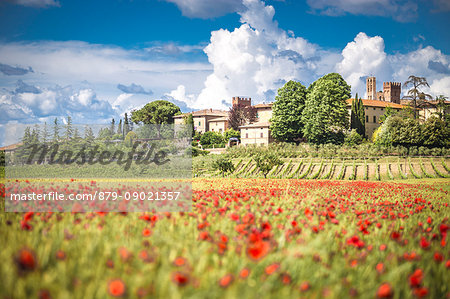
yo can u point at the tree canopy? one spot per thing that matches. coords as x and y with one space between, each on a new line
286 123
325 116
156 112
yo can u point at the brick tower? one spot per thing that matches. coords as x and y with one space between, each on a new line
391 91
241 101
371 88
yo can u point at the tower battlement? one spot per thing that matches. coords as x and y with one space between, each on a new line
391 91
241 101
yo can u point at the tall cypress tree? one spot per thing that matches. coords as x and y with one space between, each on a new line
357 117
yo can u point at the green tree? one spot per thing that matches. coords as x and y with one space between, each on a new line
120 129
325 116
353 138
414 94
436 132
223 164
69 129
266 161
358 117
126 125
89 135
388 112
441 105
188 122
156 112
286 123
112 127
230 133
55 130
211 138
129 139
45 133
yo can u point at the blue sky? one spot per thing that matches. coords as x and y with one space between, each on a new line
95 60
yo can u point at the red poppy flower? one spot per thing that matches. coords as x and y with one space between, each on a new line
109 264
380 268
145 256
244 273
146 232
44 294
226 280
125 255
179 261
286 278
438 257
26 260
272 268
385 291
258 250
420 292
304 286
180 278
60 255
356 242
416 278
424 243
116 288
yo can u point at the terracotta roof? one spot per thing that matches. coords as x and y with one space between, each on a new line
376 103
263 105
11 147
257 125
219 119
205 112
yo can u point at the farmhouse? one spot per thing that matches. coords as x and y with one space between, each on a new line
258 132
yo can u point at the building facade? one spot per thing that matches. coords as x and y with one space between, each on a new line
202 119
374 109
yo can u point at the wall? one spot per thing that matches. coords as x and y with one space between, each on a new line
253 136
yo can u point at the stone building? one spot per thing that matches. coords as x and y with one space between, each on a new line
391 91
203 118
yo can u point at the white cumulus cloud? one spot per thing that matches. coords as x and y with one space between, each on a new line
257 58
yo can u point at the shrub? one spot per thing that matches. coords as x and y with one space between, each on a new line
223 164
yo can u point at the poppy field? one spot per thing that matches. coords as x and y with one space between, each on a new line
244 238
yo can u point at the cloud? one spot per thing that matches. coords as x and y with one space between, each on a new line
22 87
257 57
366 56
399 10
29 103
134 88
439 67
440 86
14 71
179 97
36 3
206 9
362 57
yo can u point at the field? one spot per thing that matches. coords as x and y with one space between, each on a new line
245 238
375 169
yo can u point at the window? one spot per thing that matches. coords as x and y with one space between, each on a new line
262 135
374 119
381 109
374 108
367 118
246 135
199 123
